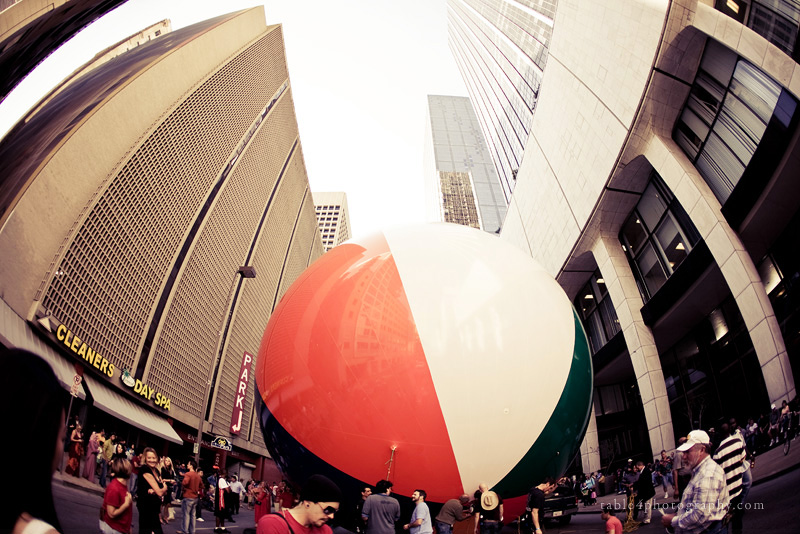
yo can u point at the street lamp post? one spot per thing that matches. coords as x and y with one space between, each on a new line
246 271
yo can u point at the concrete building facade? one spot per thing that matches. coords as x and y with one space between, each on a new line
461 182
153 214
333 218
658 185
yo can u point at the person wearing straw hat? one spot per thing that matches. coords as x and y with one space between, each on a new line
705 501
488 511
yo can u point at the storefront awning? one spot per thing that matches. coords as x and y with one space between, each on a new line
17 333
130 412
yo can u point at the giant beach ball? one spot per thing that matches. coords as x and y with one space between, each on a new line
436 356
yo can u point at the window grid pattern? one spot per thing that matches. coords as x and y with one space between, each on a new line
256 302
201 298
597 312
458 199
119 256
725 117
657 237
332 222
501 47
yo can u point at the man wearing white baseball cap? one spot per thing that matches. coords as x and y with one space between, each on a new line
705 500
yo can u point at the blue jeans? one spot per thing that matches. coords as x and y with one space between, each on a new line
444 528
103 472
491 527
188 507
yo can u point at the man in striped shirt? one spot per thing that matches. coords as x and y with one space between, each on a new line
730 456
705 500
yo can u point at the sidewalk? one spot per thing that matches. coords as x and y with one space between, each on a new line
769 465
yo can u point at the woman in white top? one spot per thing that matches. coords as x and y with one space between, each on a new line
28 382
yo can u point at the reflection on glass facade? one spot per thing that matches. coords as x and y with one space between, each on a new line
597 312
728 111
657 237
713 373
501 48
780 274
467 189
778 21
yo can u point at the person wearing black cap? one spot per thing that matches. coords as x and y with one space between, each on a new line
319 500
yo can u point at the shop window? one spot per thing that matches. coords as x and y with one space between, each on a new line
657 237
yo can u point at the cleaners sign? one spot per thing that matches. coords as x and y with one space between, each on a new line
241 394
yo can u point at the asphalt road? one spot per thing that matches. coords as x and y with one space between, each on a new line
774 509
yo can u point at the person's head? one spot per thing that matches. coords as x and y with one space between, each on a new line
639 465
223 473
366 491
607 511
28 380
483 488
663 454
464 499
167 461
191 465
696 447
548 484
418 496
121 467
319 500
383 486
120 449
150 457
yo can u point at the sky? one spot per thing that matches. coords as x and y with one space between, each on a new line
360 72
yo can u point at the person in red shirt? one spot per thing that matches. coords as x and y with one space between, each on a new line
117 501
319 500
613 525
191 492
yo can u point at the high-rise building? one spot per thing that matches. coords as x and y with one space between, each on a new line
152 215
501 48
333 218
659 186
462 186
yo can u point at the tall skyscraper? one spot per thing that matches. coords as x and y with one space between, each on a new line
462 186
501 48
659 187
152 214
333 218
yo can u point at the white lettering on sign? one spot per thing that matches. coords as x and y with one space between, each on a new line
241 394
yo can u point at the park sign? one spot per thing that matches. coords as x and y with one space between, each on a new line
241 394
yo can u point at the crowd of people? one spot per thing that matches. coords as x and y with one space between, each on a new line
709 474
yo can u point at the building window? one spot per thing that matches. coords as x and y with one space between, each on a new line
778 21
597 312
657 237
713 372
729 108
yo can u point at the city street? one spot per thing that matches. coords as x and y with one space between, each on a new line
775 500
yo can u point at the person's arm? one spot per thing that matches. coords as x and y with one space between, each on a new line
417 522
157 489
114 512
501 512
535 519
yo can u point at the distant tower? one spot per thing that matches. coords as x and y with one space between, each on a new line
333 218
461 181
